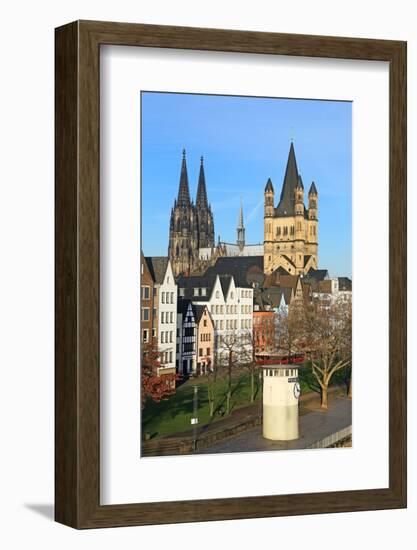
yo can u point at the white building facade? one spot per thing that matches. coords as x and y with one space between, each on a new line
231 310
167 319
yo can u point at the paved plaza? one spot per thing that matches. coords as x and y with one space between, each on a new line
314 427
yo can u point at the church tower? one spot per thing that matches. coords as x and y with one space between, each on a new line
290 229
204 213
183 228
240 230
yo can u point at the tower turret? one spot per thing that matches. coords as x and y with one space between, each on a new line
299 233
299 198
269 212
313 222
269 199
312 202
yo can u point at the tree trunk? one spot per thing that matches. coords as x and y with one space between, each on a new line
252 386
350 387
324 396
211 407
229 388
228 398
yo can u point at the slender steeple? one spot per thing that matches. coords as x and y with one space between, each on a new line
286 202
201 201
269 188
313 189
241 228
183 191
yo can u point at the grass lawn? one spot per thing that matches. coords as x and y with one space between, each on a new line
174 414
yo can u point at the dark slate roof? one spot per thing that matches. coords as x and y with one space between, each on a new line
269 186
189 283
225 281
345 283
317 274
182 305
157 266
286 202
306 259
255 276
199 310
300 182
272 296
313 189
201 200
238 266
183 191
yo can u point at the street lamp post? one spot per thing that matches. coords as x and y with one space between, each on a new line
260 390
194 420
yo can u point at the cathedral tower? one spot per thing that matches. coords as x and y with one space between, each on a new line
183 228
191 226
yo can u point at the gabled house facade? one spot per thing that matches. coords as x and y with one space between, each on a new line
165 312
186 335
205 340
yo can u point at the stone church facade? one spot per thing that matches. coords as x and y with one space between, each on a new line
291 228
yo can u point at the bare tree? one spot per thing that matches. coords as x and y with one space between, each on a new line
234 349
328 332
290 331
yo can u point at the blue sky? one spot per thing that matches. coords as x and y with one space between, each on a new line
245 140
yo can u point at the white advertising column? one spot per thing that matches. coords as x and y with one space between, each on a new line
281 391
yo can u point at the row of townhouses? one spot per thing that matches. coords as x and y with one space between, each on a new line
228 313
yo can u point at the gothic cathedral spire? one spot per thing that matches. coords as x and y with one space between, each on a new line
204 214
201 201
183 191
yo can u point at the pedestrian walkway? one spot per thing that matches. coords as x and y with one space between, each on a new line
314 426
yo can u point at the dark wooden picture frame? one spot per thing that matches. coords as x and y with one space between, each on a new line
77 359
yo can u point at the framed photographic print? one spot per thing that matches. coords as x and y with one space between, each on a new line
230 274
